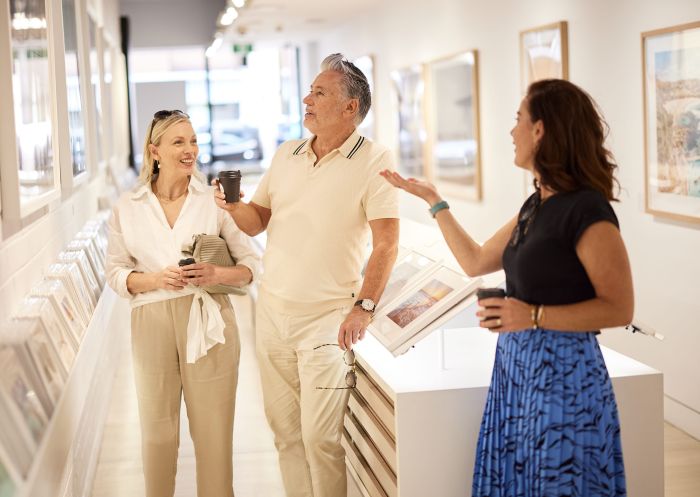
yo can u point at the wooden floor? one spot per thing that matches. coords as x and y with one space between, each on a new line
256 473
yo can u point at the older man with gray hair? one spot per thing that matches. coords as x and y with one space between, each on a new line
319 200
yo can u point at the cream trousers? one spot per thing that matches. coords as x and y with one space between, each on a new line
159 344
307 422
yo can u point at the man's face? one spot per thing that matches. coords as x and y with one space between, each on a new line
326 105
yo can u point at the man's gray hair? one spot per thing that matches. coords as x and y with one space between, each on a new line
353 80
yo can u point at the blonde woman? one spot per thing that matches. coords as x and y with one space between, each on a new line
183 339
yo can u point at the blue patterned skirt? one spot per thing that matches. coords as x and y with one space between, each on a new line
550 425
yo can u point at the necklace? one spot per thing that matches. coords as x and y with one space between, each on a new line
165 198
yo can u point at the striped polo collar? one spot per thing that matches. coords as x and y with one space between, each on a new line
349 148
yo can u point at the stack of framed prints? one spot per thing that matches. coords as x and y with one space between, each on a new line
38 350
57 293
422 292
63 341
93 255
69 274
81 259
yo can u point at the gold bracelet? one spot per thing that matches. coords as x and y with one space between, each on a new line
533 316
539 316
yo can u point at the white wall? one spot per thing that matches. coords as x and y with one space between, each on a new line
605 59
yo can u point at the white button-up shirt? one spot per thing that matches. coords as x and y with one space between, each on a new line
140 239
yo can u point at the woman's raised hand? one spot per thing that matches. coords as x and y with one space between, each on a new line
419 188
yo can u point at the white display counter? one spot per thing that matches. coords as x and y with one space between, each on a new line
413 421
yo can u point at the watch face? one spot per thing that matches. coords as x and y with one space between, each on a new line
368 305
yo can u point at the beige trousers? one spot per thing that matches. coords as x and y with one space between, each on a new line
307 422
158 339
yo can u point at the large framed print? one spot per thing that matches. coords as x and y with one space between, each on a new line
454 124
409 90
671 77
415 309
409 270
544 54
95 54
367 127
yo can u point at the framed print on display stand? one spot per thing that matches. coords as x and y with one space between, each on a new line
368 127
81 260
453 129
544 54
409 269
671 82
418 307
409 90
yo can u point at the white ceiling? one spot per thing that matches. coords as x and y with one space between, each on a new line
286 19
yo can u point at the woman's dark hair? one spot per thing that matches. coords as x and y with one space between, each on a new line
571 154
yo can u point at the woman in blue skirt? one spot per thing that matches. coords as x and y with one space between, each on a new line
550 425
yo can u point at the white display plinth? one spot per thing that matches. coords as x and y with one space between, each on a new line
434 396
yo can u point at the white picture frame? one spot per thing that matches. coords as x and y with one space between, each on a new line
69 274
409 270
56 291
58 332
420 305
45 358
9 476
21 395
15 438
80 258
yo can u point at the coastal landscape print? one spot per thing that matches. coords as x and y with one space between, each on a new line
420 302
672 98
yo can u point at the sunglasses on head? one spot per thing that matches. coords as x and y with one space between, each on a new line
162 114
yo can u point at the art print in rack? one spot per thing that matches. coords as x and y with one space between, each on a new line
671 65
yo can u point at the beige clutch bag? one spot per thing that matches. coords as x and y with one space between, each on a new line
212 249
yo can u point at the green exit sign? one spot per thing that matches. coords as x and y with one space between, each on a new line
242 49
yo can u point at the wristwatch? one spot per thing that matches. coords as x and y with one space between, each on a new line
366 305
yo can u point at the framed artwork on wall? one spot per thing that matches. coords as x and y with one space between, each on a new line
544 53
409 90
671 82
454 124
368 127
75 90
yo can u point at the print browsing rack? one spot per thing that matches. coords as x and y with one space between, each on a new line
426 290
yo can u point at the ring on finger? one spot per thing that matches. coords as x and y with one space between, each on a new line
498 323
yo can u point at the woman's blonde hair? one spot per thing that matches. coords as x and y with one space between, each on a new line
162 120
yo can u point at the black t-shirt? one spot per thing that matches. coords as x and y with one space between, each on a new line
543 268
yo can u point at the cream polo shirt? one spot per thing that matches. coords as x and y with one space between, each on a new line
140 238
319 229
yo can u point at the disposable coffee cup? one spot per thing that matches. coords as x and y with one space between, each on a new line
231 183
